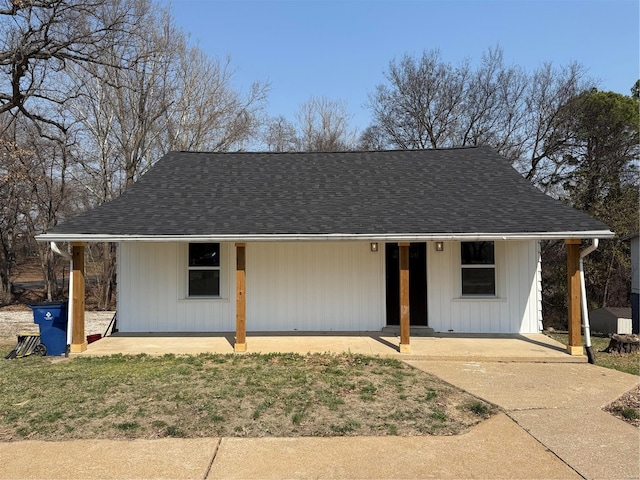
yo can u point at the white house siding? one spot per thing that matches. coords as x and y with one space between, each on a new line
152 291
324 286
330 286
635 265
516 308
635 284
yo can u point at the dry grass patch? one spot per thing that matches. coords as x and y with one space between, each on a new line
227 395
628 363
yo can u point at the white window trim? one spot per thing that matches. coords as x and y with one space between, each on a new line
493 265
186 268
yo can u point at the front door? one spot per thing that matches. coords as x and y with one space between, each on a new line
417 283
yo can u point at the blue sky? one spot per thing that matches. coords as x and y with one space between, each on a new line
340 49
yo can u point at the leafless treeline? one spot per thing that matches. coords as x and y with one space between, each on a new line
92 92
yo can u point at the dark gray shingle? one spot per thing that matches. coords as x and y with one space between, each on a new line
451 191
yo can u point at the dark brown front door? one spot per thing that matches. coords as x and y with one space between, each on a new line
417 283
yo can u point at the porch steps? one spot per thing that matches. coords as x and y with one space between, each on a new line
417 331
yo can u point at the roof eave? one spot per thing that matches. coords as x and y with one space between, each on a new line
294 237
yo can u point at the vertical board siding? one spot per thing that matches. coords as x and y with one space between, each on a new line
635 265
152 290
331 286
516 308
538 262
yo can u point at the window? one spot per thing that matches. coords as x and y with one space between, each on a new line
477 260
204 270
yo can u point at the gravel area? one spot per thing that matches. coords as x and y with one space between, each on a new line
13 323
627 407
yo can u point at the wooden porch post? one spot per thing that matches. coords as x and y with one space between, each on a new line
78 340
574 343
241 307
405 346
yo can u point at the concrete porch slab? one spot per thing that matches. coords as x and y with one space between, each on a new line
523 348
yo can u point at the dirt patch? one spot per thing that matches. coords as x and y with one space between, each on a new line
31 271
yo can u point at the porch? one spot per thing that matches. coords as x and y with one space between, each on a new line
455 346
458 347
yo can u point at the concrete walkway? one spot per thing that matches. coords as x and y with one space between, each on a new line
495 449
552 427
560 405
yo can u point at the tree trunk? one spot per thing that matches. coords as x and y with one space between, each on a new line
6 294
605 295
6 285
48 264
623 344
108 280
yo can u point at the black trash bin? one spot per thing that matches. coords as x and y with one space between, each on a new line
52 321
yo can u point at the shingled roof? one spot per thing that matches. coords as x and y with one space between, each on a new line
450 193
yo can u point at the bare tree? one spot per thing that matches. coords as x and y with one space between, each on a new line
373 138
170 97
12 191
541 157
492 112
47 164
320 125
33 198
40 38
422 103
323 126
281 135
207 112
429 103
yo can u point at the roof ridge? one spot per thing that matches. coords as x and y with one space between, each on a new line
254 152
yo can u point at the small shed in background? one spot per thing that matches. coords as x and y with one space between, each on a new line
611 320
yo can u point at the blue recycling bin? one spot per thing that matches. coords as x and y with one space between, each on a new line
52 321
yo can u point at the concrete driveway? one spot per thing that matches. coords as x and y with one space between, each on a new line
560 405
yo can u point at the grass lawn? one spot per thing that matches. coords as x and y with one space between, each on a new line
629 363
254 395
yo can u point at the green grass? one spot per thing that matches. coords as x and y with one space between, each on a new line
224 395
478 408
627 412
628 363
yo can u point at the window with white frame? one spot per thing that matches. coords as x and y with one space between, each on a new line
478 264
204 270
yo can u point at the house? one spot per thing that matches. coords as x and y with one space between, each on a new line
349 241
611 320
634 239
